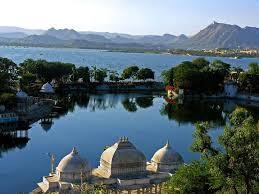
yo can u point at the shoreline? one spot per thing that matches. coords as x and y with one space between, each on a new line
144 51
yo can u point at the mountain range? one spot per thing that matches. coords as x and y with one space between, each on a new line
216 35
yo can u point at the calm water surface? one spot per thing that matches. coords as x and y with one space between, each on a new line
111 60
94 121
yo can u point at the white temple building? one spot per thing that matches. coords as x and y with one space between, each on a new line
230 89
47 89
166 160
122 168
122 159
71 166
21 95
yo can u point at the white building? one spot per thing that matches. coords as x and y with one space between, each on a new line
122 168
230 89
47 89
166 160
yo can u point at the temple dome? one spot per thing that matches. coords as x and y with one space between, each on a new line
166 159
73 163
21 94
166 155
122 159
71 167
46 126
47 88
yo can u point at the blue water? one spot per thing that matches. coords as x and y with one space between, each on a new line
111 60
90 126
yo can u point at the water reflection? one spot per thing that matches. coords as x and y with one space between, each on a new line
13 136
100 101
192 111
187 112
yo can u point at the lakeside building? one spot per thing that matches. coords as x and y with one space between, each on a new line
122 168
47 89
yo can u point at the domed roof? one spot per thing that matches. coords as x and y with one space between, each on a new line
47 88
21 94
166 155
73 163
46 126
123 152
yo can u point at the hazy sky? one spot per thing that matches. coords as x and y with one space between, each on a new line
128 16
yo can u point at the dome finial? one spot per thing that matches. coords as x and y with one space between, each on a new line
74 151
167 145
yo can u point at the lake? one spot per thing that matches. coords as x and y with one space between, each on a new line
111 60
91 122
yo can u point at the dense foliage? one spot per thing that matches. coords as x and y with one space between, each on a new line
8 74
145 73
232 168
130 72
46 71
199 76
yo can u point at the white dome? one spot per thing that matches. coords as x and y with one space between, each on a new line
124 152
166 155
47 88
21 94
122 159
73 163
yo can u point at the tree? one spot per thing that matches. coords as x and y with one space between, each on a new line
145 73
253 68
82 72
129 105
8 66
187 76
8 73
7 99
236 166
192 178
93 71
130 72
144 102
198 76
168 76
46 71
100 75
200 62
26 80
220 67
114 76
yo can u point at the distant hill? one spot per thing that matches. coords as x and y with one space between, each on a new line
42 40
216 35
9 29
220 35
13 35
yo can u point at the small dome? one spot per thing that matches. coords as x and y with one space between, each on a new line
73 163
122 159
21 94
166 155
47 88
46 126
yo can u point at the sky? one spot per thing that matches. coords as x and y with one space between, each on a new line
128 16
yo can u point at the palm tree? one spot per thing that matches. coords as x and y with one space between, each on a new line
93 72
